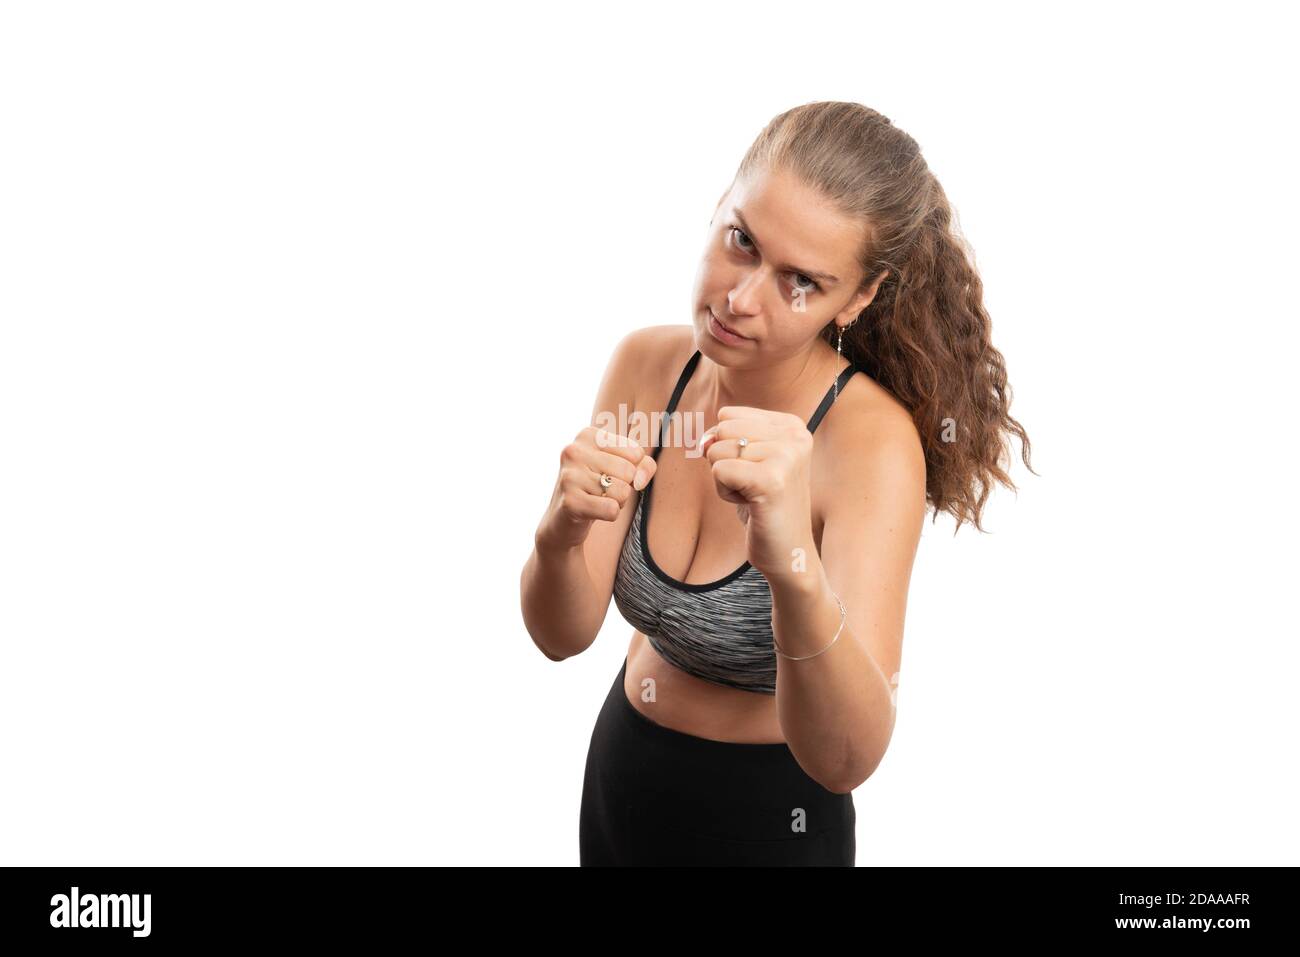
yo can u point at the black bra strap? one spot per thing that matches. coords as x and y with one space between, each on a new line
830 396
687 372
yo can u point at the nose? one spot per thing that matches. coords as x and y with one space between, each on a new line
743 300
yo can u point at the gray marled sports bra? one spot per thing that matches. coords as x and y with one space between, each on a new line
720 631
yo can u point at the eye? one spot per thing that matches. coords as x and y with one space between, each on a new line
737 231
812 286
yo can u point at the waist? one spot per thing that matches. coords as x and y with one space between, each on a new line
730 789
687 704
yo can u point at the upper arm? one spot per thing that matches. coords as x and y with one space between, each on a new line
871 531
618 388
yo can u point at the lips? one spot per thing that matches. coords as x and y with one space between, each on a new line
727 327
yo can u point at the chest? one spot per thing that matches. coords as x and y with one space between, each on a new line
693 535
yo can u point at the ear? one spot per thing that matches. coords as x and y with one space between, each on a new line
863 299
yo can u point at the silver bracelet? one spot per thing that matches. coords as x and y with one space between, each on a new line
843 615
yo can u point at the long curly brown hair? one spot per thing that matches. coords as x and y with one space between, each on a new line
925 336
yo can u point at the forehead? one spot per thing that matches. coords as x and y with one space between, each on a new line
794 222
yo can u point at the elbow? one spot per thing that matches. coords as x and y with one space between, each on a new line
847 784
842 785
551 655
853 777
529 623
856 769
537 643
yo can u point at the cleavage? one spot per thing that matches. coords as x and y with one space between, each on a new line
692 535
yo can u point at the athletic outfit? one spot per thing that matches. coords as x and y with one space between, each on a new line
654 795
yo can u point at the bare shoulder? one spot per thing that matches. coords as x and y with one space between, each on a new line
650 356
872 444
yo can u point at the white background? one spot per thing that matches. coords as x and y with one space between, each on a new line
300 303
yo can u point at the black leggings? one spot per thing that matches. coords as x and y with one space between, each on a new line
655 796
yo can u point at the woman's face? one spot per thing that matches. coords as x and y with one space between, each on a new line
778 265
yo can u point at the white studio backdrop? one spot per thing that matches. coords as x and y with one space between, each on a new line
300 302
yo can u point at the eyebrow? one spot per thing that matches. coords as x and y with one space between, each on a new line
813 273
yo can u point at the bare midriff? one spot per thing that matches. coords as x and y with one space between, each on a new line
692 705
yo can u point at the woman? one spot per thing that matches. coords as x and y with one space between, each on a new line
757 691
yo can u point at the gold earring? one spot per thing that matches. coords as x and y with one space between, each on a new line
839 354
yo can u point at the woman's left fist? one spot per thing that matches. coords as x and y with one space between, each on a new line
768 479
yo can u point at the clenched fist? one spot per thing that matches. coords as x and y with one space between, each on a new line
580 498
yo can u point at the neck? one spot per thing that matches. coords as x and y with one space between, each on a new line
794 384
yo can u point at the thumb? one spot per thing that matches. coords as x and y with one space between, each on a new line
645 471
733 478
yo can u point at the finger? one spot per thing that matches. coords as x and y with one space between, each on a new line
614 465
643 462
727 495
737 479
584 505
730 449
751 429
645 471
619 489
616 444
708 439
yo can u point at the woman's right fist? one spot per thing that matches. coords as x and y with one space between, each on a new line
579 497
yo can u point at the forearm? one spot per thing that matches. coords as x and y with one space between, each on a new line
835 709
560 606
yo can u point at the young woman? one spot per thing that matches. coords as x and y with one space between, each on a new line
766 573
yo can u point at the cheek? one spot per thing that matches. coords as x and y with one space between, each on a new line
793 329
716 277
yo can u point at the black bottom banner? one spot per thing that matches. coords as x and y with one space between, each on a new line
374 906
